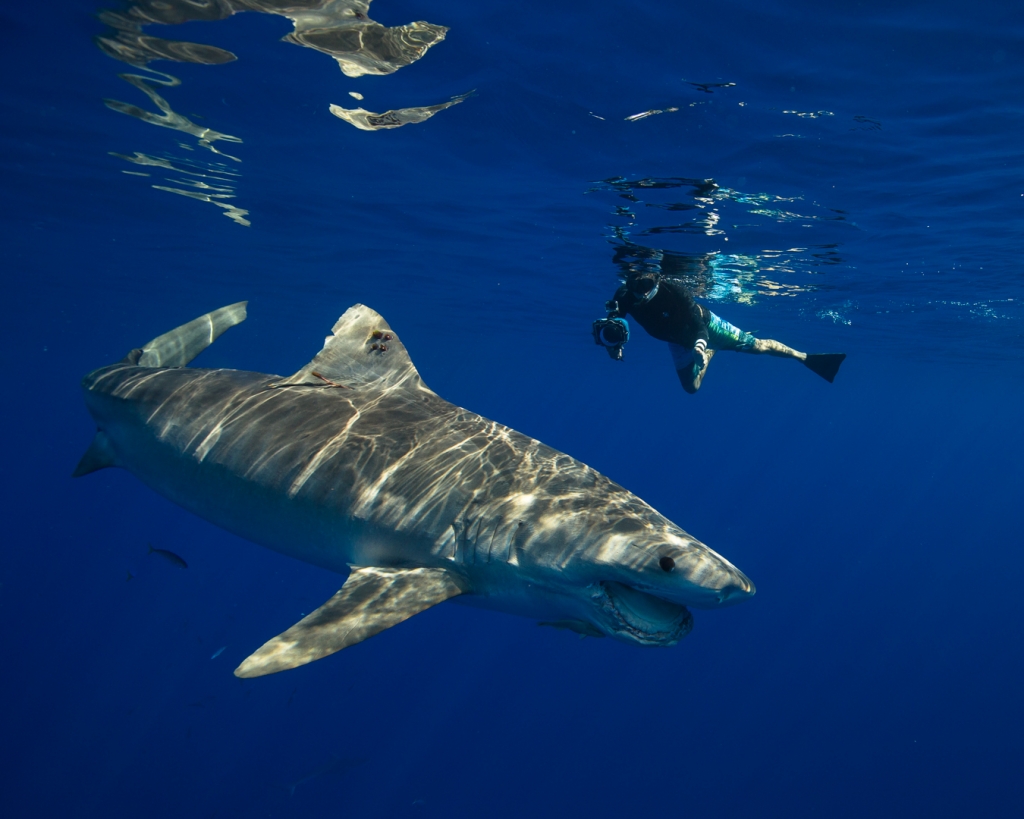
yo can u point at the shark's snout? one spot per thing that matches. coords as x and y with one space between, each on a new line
736 592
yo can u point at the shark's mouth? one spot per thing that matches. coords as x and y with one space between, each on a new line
643 618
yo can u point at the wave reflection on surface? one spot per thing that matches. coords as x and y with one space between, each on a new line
216 191
341 29
701 216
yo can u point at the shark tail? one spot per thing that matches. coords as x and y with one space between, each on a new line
174 349
178 347
825 364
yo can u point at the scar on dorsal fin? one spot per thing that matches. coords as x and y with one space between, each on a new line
372 600
361 350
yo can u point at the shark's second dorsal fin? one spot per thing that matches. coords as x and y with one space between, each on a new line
178 347
362 350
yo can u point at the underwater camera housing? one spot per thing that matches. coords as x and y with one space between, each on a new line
612 334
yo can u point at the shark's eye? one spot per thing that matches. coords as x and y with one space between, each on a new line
667 564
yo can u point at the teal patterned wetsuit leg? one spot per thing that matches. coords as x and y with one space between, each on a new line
725 336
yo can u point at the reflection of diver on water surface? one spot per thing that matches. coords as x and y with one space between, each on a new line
664 306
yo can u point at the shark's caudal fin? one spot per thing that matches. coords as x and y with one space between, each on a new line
371 601
178 347
362 349
174 349
825 364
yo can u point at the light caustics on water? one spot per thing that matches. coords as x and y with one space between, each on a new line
341 29
714 211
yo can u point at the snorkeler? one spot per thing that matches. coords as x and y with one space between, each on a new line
665 309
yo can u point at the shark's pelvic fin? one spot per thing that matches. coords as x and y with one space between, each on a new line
178 347
371 601
98 456
362 350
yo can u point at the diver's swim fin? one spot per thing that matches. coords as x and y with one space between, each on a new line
825 364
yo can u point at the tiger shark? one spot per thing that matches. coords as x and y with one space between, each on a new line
353 464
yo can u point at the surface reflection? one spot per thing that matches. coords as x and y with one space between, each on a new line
203 181
702 209
369 121
342 29
168 118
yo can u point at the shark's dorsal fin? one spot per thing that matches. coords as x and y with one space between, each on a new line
362 350
371 601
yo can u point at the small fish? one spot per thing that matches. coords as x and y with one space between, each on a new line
218 652
170 557
707 86
130 576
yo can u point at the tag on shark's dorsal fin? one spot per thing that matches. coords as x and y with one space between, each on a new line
371 601
362 350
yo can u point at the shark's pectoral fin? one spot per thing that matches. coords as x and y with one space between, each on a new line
371 600
99 455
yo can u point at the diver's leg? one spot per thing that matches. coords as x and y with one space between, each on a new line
772 347
726 336
690 367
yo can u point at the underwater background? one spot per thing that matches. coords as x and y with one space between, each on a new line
844 177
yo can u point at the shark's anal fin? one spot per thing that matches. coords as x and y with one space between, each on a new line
99 455
371 601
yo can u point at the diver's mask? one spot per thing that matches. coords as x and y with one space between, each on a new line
612 334
644 288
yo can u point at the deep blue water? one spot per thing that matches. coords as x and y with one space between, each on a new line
868 198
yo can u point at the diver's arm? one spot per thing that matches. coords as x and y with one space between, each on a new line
618 305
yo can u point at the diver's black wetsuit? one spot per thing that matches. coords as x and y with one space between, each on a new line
692 331
672 315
